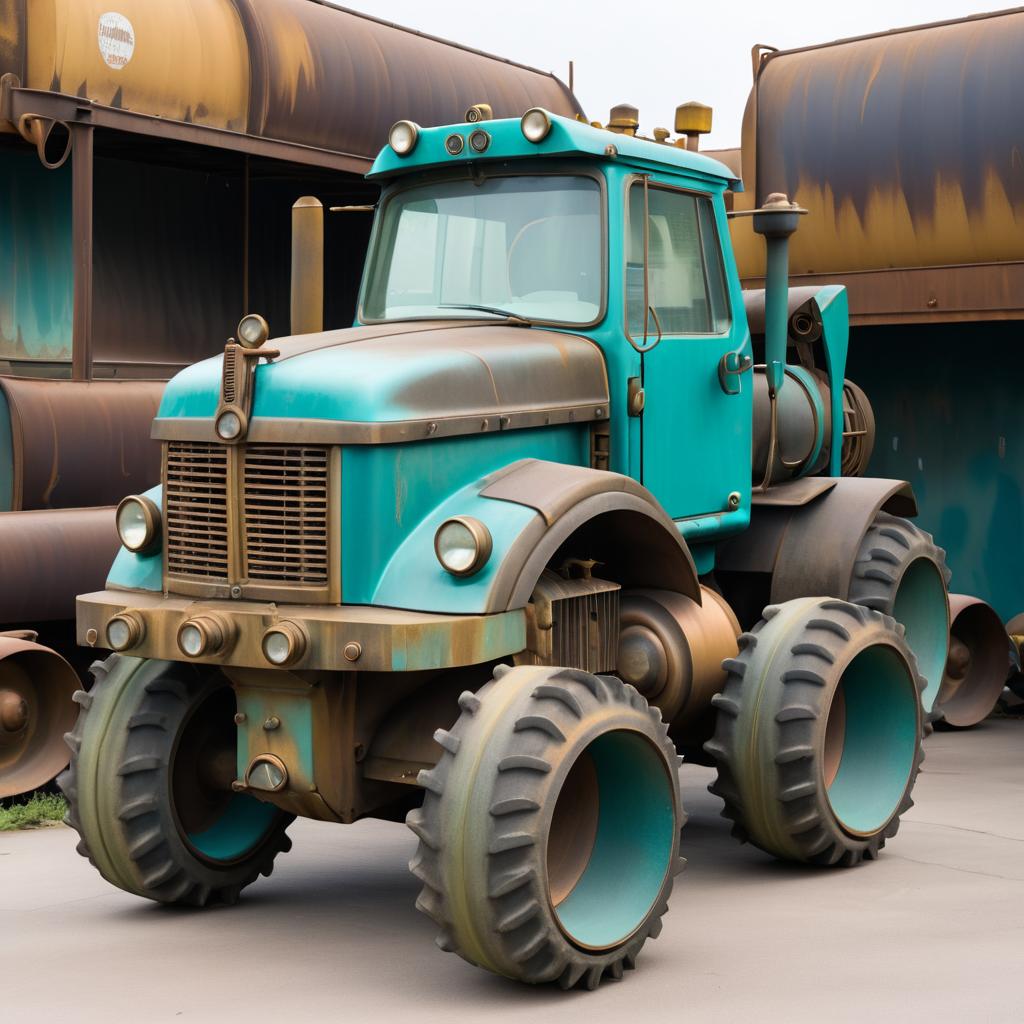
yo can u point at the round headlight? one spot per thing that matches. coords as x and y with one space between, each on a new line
454 144
229 425
462 545
205 634
252 331
479 140
138 524
266 772
284 643
536 124
124 631
403 137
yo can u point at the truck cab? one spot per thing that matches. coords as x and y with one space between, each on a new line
558 225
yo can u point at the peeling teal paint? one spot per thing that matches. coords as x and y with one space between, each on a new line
36 287
949 422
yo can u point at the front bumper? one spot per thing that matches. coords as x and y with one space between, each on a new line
382 639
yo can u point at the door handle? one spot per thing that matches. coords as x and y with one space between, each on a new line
730 368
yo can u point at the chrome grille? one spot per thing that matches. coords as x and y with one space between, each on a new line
285 511
196 510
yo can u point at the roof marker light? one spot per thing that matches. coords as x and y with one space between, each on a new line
536 124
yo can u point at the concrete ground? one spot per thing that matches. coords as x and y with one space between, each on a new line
934 931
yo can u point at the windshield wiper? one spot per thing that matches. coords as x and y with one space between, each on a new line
497 310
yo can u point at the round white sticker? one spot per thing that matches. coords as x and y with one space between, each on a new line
117 39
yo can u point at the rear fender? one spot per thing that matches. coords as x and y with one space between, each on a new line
809 549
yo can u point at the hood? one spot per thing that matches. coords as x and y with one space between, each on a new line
446 375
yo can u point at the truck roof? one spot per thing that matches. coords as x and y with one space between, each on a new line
567 138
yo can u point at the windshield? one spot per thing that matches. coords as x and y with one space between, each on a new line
528 246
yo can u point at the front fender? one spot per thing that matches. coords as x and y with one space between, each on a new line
140 572
532 508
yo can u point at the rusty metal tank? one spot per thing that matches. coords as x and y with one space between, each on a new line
296 71
907 148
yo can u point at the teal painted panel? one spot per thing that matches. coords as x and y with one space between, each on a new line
948 417
567 138
139 572
696 439
6 457
36 286
395 496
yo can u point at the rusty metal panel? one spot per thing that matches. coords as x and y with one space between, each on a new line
80 443
297 71
47 557
906 148
184 60
336 79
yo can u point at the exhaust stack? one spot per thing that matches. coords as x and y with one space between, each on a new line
776 221
307 297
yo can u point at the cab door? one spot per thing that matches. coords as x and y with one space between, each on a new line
695 426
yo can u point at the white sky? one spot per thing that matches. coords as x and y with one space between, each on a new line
654 54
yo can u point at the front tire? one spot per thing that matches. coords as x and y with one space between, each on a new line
549 832
818 737
148 788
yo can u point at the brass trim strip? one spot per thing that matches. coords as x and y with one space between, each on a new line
334 432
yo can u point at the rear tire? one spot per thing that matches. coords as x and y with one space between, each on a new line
148 737
818 738
522 882
901 572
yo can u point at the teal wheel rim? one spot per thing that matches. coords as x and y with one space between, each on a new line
242 826
611 838
871 740
922 606
218 824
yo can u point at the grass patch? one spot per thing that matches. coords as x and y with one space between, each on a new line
37 810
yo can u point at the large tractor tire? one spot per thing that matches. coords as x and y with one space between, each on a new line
818 739
149 786
549 831
901 572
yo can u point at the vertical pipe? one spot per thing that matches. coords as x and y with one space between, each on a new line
82 245
307 266
776 309
776 220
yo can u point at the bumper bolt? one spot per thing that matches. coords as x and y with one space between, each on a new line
353 650
272 723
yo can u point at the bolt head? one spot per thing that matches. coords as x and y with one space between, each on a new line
353 651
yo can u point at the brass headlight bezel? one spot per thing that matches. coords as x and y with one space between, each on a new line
152 519
483 542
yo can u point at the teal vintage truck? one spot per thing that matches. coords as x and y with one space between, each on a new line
563 506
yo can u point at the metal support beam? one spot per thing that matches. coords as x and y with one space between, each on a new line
82 243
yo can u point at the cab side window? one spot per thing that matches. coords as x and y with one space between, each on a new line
685 277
